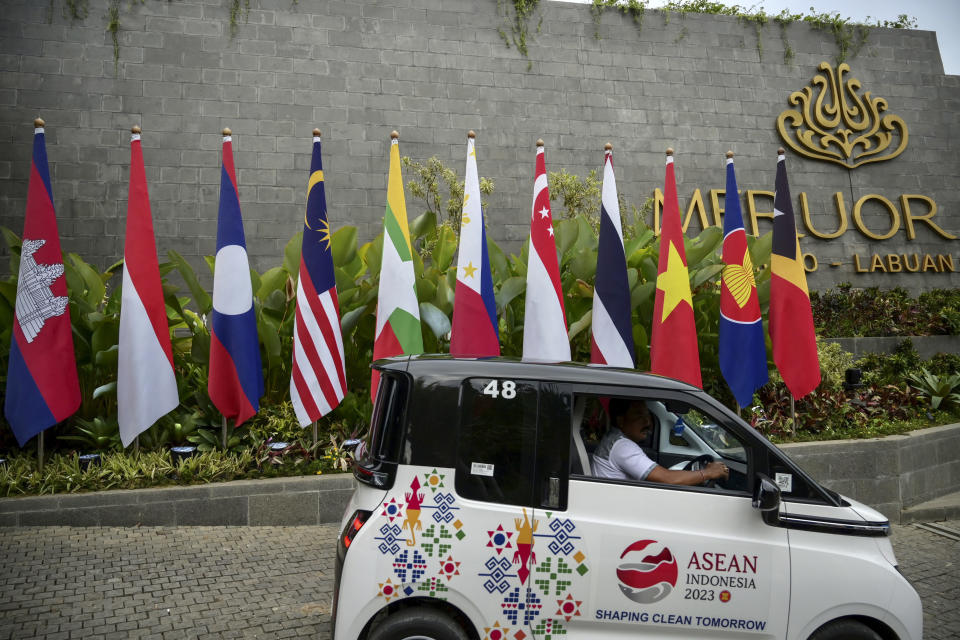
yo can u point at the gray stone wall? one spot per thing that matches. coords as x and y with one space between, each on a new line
433 70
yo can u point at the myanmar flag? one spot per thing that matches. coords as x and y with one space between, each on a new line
398 314
791 319
673 339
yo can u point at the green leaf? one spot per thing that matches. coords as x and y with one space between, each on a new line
372 254
424 224
426 289
582 323
200 297
565 232
703 245
291 255
343 245
445 292
273 279
445 248
107 357
110 387
709 272
435 319
510 289
760 248
350 319
92 282
584 264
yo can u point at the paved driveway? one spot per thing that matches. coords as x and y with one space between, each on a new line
263 582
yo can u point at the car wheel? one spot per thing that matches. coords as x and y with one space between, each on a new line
845 630
418 624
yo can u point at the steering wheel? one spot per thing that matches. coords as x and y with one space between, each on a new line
698 464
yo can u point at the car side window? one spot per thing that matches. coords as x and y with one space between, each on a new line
496 451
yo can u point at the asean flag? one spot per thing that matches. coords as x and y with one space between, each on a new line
743 355
236 375
791 318
673 337
42 385
474 332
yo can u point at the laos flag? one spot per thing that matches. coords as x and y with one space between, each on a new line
474 332
42 385
743 355
236 376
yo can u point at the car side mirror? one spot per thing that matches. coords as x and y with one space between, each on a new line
766 498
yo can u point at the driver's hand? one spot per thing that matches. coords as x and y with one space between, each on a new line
716 471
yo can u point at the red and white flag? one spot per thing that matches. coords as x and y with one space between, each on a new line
146 385
545 323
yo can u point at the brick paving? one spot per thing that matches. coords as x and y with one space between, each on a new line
263 582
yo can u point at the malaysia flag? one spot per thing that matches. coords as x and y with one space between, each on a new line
318 381
42 385
545 323
236 375
146 384
474 332
743 355
611 342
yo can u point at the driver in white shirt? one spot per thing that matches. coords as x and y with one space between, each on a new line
619 456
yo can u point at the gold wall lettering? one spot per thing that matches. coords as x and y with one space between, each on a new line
835 124
908 216
894 217
910 263
841 213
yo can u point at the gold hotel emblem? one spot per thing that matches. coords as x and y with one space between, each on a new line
838 125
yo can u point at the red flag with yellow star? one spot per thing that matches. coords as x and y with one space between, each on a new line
673 340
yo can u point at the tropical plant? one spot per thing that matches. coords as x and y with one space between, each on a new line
942 390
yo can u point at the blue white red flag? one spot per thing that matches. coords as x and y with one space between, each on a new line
146 384
235 383
743 355
318 381
545 323
42 385
611 342
474 332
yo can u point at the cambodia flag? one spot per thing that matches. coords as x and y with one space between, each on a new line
42 385
611 342
791 318
545 323
236 376
673 339
146 383
317 381
474 332
743 355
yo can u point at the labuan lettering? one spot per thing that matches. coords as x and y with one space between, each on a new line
904 263
733 582
725 562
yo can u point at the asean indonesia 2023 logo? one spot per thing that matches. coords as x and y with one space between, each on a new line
647 572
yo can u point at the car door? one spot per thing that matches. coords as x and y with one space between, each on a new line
667 561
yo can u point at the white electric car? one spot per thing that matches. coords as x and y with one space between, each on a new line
476 515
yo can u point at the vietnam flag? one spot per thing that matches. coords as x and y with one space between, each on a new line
673 340
42 384
791 318
398 312
474 332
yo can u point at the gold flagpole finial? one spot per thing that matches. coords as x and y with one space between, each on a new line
540 142
729 154
38 122
608 147
669 151
227 132
394 135
135 129
316 133
471 134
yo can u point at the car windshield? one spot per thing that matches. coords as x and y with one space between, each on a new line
713 435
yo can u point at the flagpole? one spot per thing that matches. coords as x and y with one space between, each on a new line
40 452
793 417
223 431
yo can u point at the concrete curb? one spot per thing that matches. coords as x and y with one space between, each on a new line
306 500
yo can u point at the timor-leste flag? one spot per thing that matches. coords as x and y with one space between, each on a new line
791 318
398 312
673 339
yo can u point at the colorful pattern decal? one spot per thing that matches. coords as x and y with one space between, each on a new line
561 536
444 507
528 604
568 607
547 629
449 568
388 590
436 539
412 563
433 587
392 509
414 499
524 554
388 539
496 632
500 539
498 575
433 480
553 581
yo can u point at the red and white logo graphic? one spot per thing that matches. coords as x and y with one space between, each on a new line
648 572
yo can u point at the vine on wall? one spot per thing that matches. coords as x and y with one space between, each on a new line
517 22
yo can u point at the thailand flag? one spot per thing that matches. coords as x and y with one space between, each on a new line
474 332
318 381
42 385
146 384
611 342
743 355
545 323
236 376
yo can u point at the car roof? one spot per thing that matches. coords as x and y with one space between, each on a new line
446 366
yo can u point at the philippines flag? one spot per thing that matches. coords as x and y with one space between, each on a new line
42 385
743 355
146 385
791 318
545 323
612 340
318 382
474 332
236 375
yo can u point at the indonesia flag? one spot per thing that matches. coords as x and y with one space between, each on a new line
612 340
236 375
743 355
474 332
146 386
42 385
398 312
545 323
317 382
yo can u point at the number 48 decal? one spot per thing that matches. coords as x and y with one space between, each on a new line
496 389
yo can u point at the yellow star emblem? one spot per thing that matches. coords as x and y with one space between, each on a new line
469 270
325 233
674 282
